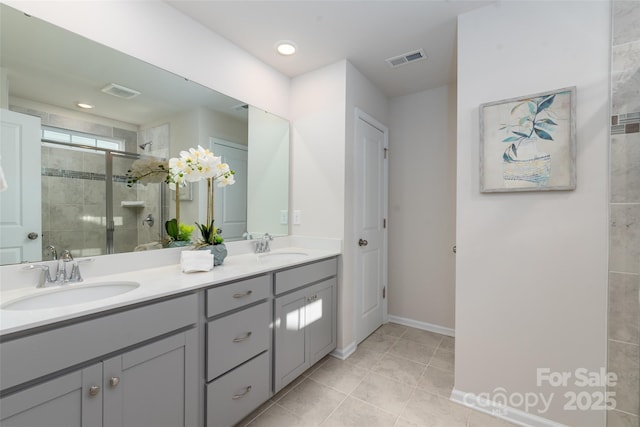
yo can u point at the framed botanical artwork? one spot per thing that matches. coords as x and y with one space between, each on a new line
529 143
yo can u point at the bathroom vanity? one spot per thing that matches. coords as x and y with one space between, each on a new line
202 349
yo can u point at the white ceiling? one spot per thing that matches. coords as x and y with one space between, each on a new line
364 32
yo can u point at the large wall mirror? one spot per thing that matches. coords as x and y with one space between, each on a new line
68 189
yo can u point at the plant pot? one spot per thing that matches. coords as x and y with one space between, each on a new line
179 243
219 252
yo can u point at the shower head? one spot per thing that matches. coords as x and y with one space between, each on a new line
144 146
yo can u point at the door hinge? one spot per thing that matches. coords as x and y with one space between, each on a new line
384 292
384 223
386 152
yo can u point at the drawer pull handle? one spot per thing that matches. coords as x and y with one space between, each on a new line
114 381
246 390
243 294
242 338
94 390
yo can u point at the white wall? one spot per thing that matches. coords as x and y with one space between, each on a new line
361 94
156 33
422 185
268 186
532 267
323 106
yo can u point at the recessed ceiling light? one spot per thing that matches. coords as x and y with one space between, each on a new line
85 106
286 47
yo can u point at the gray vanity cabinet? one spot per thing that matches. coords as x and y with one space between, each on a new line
149 386
141 370
238 356
61 402
304 319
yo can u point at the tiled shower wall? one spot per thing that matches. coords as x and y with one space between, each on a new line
74 194
624 256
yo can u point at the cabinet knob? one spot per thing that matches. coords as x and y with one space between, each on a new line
243 394
114 381
243 337
94 390
362 242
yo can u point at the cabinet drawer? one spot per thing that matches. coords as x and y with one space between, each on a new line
233 396
236 338
291 279
229 297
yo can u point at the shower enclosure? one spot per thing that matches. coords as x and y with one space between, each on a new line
87 205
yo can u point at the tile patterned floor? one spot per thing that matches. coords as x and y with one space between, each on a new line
398 377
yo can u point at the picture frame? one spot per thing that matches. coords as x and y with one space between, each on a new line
528 143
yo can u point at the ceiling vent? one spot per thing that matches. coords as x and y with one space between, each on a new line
416 55
240 107
120 91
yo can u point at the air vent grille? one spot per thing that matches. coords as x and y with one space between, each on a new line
120 91
396 61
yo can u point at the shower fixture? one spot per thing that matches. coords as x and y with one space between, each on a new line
144 146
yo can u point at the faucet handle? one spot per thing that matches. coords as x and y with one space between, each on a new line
75 270
45 277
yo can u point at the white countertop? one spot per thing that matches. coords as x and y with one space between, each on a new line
155 283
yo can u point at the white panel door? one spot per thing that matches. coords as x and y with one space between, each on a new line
370 211
230 202
20 203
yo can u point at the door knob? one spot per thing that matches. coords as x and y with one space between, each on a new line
32 236
362 242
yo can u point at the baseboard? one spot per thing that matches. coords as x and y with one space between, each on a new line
513 415
343 353
423 325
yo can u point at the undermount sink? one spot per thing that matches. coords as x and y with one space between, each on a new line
282 256
70 295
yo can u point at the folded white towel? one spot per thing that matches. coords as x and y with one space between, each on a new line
191 261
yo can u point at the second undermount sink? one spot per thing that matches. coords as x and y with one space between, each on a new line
70 295
290 255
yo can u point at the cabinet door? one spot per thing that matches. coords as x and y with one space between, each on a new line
320 315
153 386
290 350
61 402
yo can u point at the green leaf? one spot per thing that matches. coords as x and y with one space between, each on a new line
524 135
510 139
172 228
546 103
548 121
532 107
514 149
542 134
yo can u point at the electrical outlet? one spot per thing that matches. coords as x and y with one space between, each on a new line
284 217
297 217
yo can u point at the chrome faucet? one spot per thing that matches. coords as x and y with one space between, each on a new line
61 277
61 274
262 245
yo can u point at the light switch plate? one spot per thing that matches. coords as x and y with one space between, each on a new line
284 217
297 217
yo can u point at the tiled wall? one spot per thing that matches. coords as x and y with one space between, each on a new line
624 257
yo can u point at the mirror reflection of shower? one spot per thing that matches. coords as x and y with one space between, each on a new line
87 205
